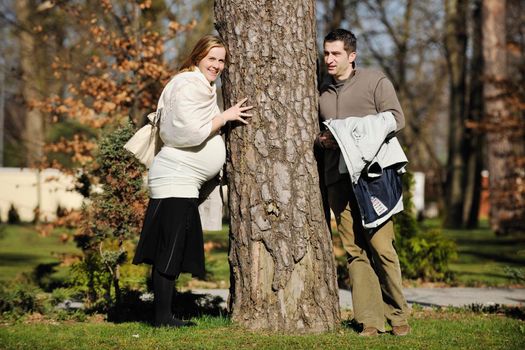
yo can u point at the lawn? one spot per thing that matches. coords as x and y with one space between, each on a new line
22 249
482 257
482 260
431 330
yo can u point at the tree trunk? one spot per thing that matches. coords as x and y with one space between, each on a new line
505 134
474 160
283 275
455 45
2 99
338 13
34 126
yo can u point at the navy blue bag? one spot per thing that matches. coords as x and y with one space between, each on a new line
379 197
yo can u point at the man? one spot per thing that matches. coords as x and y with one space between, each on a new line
373 264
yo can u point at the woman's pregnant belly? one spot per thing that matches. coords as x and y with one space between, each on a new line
181 171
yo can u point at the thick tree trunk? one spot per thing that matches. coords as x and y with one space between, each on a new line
455 44
283 275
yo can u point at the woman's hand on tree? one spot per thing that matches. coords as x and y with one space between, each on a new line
236 112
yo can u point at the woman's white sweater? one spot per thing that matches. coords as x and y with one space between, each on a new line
190 155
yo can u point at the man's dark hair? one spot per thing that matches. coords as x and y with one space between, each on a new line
346 36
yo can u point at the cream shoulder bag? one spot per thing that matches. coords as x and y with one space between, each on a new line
146 142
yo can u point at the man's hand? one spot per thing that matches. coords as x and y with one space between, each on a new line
326 140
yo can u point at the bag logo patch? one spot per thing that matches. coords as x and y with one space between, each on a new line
378 206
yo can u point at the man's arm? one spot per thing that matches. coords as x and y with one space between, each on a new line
386 101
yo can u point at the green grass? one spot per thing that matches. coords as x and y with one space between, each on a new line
22 249
483 257
431 330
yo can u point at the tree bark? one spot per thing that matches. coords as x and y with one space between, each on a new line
455 45
505 129
283 275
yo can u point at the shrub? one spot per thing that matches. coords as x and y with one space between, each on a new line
421 255
61 211
112 219
515 274
426 256
59 295
12 215
22 298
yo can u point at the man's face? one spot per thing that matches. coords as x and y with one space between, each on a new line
337 60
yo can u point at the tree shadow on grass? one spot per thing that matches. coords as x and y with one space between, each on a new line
494 257
186 305
490 242
15 259
481 274
517 312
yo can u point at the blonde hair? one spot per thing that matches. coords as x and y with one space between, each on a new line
200 50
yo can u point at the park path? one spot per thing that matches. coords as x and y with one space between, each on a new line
453 296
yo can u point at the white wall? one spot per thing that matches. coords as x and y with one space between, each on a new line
418 192
19 187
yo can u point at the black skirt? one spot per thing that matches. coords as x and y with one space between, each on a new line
171 237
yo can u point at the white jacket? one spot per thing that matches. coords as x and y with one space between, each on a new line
188 103
362 144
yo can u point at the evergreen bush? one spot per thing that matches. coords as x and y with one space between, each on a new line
422 255
112 219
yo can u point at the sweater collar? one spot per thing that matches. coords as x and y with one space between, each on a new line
337 83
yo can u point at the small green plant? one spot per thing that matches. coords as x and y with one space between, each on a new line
422 255
21 298
515 274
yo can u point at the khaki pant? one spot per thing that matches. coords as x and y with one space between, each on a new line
373 264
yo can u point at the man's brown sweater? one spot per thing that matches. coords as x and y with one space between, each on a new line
365 92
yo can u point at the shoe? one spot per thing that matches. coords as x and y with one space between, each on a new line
401 330
369 332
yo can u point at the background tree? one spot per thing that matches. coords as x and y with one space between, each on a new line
282 267
455 43
126 68
403 38
473 136
504 124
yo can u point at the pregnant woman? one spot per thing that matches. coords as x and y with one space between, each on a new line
193 152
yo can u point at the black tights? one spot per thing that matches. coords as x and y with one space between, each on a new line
163 286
